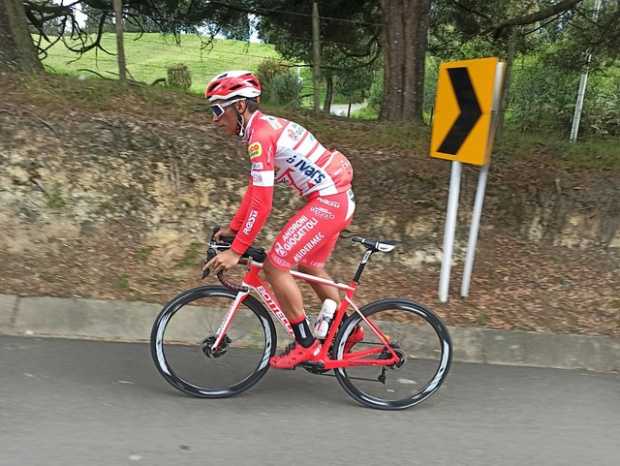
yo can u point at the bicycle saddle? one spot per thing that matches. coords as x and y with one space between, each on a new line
376 245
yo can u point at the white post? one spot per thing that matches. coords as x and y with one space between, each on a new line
473 230
583 81
581 94
482 183
448 238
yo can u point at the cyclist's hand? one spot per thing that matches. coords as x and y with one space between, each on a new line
222 261
225 232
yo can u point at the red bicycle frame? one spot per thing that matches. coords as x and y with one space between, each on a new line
252 281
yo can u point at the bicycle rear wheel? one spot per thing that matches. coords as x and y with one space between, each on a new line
185 330
420 339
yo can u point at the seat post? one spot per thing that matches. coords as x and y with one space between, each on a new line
362 265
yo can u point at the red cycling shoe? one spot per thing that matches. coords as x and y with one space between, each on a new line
294 355
356 336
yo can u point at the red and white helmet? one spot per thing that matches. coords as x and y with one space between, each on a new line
232 84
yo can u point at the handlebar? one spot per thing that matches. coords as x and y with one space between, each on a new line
225 242
214 248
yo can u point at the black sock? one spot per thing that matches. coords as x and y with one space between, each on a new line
303 334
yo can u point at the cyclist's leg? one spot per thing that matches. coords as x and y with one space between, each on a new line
316 226
334 208
315 265
286 290
280 260
304 234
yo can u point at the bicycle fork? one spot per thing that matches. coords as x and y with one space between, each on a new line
225 325
253 283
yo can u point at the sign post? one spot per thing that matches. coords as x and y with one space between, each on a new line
482 184
463 131
448 237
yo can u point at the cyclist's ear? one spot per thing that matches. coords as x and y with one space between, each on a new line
242 106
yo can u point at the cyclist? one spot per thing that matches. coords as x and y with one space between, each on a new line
281 151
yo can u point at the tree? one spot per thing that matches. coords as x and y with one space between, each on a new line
17 52
167 16
580 35
500 27
405 28
349 36
54 22
93 19
355 84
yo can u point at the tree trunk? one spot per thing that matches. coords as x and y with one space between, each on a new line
120 47
316 56
17 52
405 40
329 93
510 57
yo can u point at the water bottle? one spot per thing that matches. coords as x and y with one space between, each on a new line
321 325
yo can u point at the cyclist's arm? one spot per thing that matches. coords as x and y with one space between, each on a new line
260 192
237 220
259 208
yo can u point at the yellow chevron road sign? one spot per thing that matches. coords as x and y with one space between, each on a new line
463 122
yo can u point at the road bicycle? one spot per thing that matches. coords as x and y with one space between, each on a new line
216 341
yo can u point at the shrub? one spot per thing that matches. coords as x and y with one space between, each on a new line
279 85
601 113
179 76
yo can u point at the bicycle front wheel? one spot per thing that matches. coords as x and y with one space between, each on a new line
419 338
185 331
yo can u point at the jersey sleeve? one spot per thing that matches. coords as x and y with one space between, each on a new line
256 205
237 220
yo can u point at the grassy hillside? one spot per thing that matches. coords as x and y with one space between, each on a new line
99 95
149 55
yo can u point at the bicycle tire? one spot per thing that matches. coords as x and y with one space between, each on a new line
158 352
429 389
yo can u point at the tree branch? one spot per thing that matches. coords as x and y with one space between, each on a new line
86 70
470 10
542 25
533 17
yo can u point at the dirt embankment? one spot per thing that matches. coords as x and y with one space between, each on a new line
111 203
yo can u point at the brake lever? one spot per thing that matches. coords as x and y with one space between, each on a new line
212 252
216 228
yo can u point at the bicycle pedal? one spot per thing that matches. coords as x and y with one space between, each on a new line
315 367
283 368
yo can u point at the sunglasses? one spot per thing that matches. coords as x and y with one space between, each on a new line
219 109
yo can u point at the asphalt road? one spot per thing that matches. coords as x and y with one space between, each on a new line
69 403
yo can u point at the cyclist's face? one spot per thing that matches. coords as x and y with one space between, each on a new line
227 120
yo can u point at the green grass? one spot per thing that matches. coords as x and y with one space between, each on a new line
593 152
56 92
52 93
148 57
587 153
366 113
144 253
191 256
122 282
55 199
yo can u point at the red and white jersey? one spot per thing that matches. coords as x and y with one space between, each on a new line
282 151
290 154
